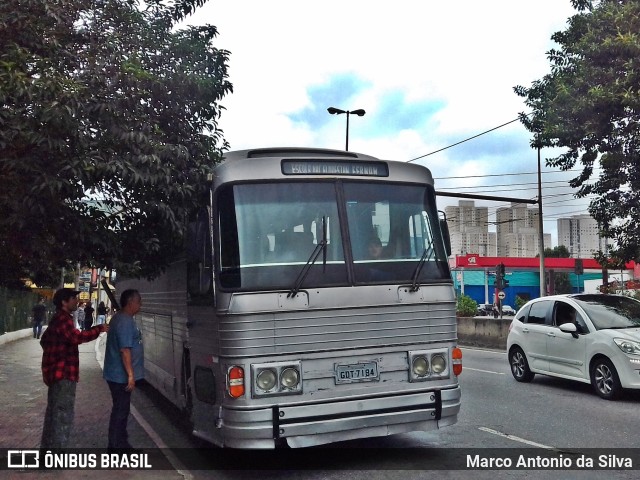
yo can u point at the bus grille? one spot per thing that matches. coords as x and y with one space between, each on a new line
324 330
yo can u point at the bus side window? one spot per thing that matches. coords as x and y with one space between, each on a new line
199 258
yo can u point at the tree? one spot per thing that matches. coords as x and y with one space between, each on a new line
108 131
466 306
520 302
590 105
557 252
561 281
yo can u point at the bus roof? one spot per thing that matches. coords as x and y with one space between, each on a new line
287 152
297 163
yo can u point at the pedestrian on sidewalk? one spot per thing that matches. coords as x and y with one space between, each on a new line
102 314
79 316
123 366
60 367
88 315
39 316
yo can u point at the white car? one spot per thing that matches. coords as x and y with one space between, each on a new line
591 338
508 310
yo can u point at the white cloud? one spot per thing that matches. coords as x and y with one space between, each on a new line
468 53
465 56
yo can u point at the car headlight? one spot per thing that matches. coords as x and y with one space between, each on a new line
628 346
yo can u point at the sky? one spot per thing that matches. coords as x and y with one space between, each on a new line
428 73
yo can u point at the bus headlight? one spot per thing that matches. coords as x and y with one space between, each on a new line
277 378
428 365
289 378
266 380
420 366
438 364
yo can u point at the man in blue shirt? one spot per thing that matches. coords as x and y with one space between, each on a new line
123 365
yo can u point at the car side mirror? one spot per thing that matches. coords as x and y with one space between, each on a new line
569 328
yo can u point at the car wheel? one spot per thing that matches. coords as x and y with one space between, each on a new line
604 379
519 365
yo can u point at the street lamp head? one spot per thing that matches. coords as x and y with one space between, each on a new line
337 111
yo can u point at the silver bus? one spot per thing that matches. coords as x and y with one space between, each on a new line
314 304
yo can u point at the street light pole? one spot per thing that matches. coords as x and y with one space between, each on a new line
346 142
541 227
337 111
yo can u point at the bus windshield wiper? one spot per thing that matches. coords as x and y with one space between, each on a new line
426 255
320 247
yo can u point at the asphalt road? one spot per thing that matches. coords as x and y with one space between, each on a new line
548 414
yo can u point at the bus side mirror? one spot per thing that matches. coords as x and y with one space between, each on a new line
199 258
444 228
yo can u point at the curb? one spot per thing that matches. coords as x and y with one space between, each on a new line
17 335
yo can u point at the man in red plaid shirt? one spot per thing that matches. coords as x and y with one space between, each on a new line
60 367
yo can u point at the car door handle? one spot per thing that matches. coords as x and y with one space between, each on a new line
525 330
551 334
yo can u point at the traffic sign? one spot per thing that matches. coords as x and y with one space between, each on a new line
501 295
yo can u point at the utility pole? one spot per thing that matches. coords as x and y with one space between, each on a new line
540 224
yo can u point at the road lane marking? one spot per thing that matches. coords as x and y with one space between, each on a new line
515 439
483 371
173 460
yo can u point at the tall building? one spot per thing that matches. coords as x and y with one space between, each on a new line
580 235
469 229
517 230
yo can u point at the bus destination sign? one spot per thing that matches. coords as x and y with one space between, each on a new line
331 167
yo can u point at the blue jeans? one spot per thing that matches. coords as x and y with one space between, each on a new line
37 329
118 436
58 418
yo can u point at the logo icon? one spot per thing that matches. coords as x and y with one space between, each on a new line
23 459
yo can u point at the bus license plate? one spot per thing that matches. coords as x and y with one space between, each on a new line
359 372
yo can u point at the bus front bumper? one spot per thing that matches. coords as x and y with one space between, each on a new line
322 423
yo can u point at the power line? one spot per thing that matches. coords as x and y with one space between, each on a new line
465 140
546 185
511 174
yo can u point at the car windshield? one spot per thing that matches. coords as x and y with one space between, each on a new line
610 311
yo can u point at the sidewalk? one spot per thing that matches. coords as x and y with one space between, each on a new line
23 401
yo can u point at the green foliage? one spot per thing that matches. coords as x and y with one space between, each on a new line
589 104
635 294
562 283
557 252
108 131
15 309
466 306
520 302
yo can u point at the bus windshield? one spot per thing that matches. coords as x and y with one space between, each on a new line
391 229
267 233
